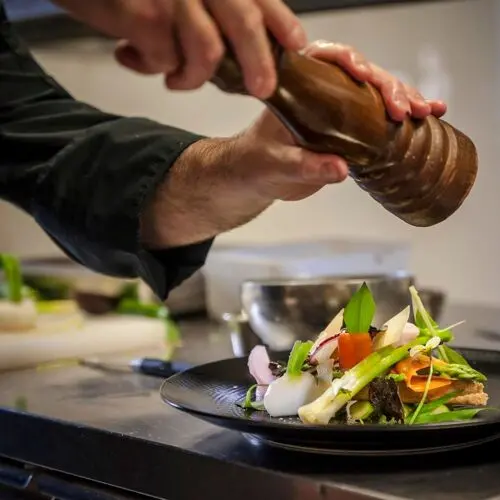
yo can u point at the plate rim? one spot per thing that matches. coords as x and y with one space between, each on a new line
365 428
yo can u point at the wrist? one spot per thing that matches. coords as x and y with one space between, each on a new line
209 190
180 211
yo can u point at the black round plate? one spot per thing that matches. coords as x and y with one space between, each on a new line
211 392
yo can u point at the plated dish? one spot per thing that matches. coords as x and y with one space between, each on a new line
356 373
357 389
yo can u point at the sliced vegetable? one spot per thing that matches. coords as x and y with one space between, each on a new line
259 367
353 348
288 393
359 312
325 349
410 333
392 330
323 409
298 355
359 411
411 366
331 330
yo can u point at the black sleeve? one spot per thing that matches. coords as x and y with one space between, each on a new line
85 175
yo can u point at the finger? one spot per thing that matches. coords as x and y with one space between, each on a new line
393 93
201 47
438 108
283 24
151 46
243 24
345 56
131 57
420 108
297 165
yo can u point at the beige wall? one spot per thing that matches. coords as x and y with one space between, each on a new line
449 50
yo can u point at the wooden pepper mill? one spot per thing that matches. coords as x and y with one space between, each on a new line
419 170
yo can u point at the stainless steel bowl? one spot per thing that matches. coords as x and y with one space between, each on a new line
243 338
282 311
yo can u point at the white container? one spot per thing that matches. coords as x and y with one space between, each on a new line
227 267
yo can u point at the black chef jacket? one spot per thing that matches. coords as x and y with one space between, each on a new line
85 175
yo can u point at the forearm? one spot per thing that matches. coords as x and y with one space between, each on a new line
85 175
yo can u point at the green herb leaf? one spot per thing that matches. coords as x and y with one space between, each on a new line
297 358
450 416
359 312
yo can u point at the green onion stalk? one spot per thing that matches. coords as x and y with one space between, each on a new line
13 277
342 390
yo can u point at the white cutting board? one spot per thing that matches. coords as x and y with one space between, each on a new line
94 337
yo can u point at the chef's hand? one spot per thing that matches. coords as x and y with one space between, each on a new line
182 39
219 184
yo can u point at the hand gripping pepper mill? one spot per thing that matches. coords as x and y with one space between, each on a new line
419 170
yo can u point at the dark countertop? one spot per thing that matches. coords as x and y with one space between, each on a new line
114 429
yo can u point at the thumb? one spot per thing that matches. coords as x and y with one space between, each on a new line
292 164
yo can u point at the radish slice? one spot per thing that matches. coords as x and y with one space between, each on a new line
325 349
332 329
410 333
258 365
324 371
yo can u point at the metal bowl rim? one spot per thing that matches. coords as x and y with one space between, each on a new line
328 280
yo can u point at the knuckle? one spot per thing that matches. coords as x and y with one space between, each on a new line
148 16
252 22
212 52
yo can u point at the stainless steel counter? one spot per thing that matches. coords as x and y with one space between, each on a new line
113 429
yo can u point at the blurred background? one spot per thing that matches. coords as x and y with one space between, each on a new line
449 50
